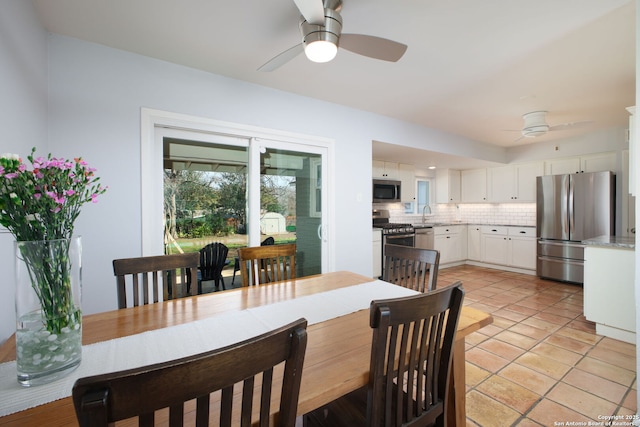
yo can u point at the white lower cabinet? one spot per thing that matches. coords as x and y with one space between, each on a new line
474 249
451 241
494 244
506 246
509 246
609 291
377 252
522 247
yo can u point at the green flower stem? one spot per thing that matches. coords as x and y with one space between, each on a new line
49 268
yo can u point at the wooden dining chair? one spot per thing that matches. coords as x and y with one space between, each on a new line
264 264
213 258
411 268
249 365
148 276
411 356
236 265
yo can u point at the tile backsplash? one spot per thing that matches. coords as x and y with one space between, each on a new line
471 213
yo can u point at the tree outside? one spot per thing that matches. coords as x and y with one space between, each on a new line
202 207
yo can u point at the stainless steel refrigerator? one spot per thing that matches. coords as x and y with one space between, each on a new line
571 208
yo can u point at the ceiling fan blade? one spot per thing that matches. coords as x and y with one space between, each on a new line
282 58
312 10
373 47
571 125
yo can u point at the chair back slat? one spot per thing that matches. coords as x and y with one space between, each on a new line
213 258
169 275
270 263
411 357
411 268
125 394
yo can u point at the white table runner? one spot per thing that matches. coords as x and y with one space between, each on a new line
192 338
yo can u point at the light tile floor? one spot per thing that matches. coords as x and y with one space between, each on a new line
540 363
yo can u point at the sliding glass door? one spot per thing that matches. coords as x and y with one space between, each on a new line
241 191
291 201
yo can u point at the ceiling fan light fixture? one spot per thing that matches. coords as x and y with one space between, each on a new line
321 41
535 124
320 51
533 131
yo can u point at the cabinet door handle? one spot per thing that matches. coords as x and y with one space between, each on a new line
523 232
494 230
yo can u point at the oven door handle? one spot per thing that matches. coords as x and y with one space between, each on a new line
399 236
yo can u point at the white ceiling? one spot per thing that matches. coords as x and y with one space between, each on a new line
472 67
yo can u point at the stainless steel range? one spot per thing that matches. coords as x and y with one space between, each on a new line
393 233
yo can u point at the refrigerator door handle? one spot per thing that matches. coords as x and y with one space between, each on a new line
561 261
570 209
563 243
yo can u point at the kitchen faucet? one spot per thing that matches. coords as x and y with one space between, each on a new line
423 211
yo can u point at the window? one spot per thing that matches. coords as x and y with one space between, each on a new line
424 195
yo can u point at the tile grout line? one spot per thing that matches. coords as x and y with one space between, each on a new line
566 299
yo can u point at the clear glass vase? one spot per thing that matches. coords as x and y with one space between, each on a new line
48 313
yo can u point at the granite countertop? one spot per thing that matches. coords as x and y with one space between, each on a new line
620 242
446 224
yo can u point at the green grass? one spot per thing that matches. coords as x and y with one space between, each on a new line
194 245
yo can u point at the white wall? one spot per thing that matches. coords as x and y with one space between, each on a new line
23 115
95 96
613 139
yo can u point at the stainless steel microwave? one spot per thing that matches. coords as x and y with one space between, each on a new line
386 191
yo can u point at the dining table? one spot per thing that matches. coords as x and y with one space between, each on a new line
336 360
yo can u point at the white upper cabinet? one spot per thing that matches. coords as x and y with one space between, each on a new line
385 170
401 172
407 176
562 166
502 186
515 183
598 162
473 185
447 186
591 163
526 180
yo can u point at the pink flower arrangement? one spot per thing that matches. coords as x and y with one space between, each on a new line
44 202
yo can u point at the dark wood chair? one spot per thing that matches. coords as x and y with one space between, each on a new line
236 266
411 268
103 399
213 258
416 334
264 264
148 276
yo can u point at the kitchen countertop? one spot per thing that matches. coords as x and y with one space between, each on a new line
620 242
447 224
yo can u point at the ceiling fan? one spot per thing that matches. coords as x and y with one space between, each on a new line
535 125
321 28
